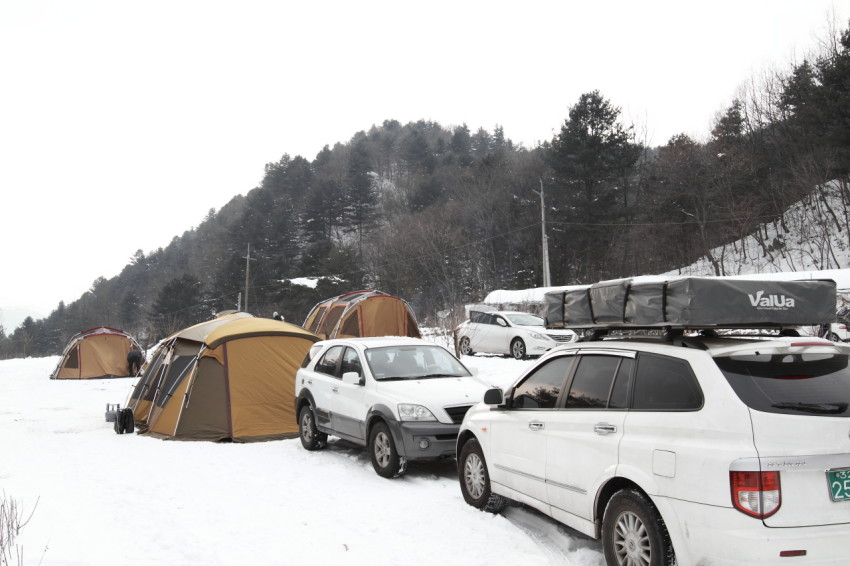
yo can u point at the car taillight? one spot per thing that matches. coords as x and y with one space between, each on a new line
756 494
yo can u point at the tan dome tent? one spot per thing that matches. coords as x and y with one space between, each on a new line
231 378
96 353
362 313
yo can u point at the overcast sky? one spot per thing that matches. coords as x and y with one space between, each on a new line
122 123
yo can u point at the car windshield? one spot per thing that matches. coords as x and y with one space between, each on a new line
523 319
800 384
413 362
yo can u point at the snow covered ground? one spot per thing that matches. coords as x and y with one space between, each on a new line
104 499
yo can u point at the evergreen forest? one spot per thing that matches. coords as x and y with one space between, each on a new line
440 216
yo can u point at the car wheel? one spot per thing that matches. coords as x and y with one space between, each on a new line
633 534
518 349
833 336
383 453
475 480
465 349
311 438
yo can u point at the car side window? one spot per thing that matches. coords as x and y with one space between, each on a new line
351 362
479 317
540 390
665 384
594 381
329 362
620 391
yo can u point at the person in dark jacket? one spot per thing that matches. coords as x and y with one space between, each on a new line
135 360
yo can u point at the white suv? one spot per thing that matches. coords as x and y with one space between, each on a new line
403 398
698 451
517 334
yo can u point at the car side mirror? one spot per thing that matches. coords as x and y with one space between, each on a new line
353 378
501 322
494 396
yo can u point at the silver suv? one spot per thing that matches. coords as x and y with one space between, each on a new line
699 451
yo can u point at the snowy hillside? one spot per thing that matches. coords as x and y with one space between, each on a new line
102 499
812 235
811 241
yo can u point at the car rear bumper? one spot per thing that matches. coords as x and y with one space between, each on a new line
705 534
425 440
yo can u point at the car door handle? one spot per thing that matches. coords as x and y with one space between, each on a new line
604 428
335 389
536 426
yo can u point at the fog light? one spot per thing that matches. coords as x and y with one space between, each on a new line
424 444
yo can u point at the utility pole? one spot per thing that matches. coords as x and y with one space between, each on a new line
547 281
247 271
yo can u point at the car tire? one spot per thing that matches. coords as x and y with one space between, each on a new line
518 349
475 480
464 347
311 438
833 336
633 532
383 453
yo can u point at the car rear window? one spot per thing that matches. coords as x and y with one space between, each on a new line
800 384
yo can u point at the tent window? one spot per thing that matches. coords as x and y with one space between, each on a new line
314 324
176 372
331 319
351 324
73 360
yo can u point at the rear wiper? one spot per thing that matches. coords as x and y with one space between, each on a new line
817 408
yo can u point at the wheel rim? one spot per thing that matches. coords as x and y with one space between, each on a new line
382 449
307 427
473 476
631 541
519 349
464 346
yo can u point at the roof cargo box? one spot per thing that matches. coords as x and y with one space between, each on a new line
577 308
608 301
694 302
645 304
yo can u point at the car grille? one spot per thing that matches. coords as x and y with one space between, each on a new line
561 337
456 413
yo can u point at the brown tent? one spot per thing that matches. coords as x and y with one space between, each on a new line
231 378
362 313
96 353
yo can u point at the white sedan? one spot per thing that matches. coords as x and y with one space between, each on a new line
518 334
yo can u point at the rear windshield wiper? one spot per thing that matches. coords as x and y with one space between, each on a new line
816 408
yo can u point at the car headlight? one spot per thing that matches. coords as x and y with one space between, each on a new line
410 412
538 336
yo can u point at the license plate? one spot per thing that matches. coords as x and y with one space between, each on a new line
839 484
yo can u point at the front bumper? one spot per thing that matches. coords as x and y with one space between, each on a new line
417 440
